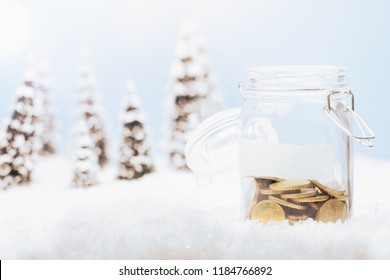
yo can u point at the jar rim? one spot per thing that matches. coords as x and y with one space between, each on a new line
285 78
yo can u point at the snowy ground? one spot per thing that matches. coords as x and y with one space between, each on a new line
166 215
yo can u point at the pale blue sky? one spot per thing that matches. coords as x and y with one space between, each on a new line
136 39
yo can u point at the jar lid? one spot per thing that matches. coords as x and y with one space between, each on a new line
276 78
213 146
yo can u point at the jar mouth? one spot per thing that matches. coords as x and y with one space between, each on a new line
293 78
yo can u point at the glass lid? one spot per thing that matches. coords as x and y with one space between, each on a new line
213 146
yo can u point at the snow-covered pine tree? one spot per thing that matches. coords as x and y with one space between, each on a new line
194 93
18 145
84 174
92 110
214 100
46 118
134 160
186 94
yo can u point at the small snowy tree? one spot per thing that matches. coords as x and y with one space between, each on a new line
214 100
92 111
84 174
135 160
46 118
193 93
18 145
187 91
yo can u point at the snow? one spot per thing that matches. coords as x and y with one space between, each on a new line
25 91
4 158
132 116
166 215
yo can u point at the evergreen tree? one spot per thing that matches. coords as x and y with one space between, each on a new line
92 111
214 100
193 93
46 118
84 174
18 145
135 160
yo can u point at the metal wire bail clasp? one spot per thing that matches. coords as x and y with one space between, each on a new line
339 113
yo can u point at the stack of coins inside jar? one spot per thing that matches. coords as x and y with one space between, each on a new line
279 199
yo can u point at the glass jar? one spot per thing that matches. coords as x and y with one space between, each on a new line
291 142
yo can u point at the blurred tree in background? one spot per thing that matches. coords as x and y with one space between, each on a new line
45 115
19 144
193 92
135 160
91 109
86 165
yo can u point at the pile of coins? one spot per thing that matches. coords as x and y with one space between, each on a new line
296 200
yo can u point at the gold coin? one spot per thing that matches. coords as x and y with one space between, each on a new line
270 192
256 195
286 203
315 206
270 178
332 211
343 197
266 211
318 198
297 217
327 190
290 185
264 182
304 193
293 222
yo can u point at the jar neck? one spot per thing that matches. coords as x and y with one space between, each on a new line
306 82
287 96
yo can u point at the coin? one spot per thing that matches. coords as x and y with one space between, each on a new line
342 197
286 203
266 211
256 196
289 185
326 189
297 217
315 206
270 192
317 198
270 178
302 194
332 211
